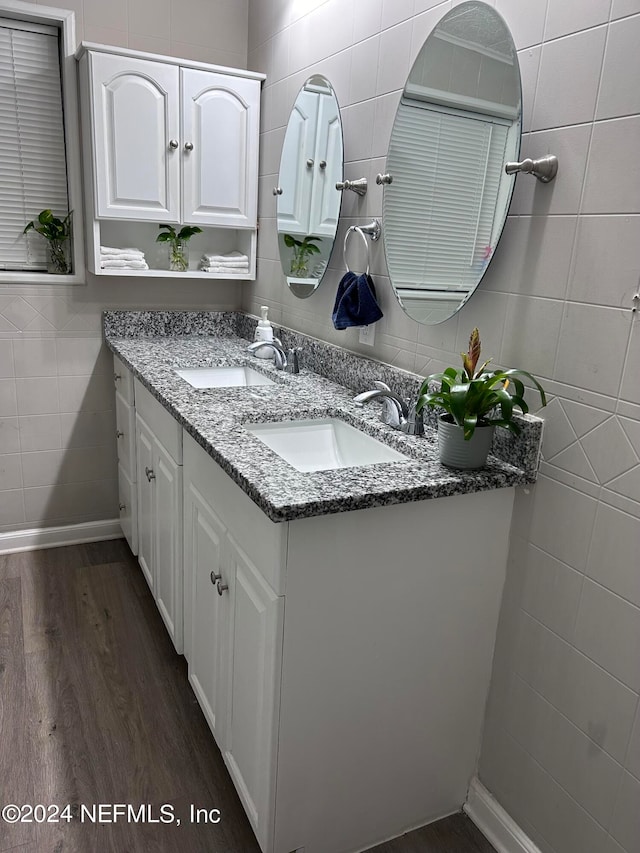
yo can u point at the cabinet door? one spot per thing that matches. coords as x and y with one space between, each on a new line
297 166
136 115
204 617
167 541
144 456
327 169
125 435
128 507
220 116
253 687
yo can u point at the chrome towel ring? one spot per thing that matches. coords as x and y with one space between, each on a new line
373 230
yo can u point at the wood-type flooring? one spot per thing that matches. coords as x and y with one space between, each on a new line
95 707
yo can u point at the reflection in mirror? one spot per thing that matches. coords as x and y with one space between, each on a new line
458 123
308 204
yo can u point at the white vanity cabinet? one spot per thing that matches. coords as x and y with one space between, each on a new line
233 628
342 661
159 488
168 141
126 448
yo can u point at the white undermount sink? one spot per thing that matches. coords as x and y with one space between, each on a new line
237 376
323 444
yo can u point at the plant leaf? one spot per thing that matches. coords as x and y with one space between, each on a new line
188 231
470 359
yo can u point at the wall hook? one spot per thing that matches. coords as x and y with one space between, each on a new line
544 169
359 186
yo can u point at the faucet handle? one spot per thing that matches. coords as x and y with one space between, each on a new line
292 365
415 423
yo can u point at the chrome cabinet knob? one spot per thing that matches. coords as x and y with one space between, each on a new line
122 507
384 179
150 475
119 433
173 143
323 164
215 577
117 377
309 163
277 190
188 146
222 587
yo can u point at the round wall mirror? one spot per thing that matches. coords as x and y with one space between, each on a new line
458 123
308 204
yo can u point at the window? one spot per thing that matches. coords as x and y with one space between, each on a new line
38 133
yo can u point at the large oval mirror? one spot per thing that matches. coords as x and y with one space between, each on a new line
308 204
458 123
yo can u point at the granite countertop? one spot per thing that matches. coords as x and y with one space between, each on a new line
216 417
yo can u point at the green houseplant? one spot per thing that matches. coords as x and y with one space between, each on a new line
57 232
178 245
302 252
475 401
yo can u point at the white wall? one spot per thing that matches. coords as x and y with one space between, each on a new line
57 424
562 740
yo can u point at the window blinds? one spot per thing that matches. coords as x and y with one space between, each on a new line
438 217
33 173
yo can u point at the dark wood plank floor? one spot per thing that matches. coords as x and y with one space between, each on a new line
95 707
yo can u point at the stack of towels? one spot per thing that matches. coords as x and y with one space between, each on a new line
233 263
122 259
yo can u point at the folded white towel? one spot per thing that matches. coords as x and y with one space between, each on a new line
108 250
129 257
229 267
230 258
228 270
124 265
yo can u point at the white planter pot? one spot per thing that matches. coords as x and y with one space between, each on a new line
455 452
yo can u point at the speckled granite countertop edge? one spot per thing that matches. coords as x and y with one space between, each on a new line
215 418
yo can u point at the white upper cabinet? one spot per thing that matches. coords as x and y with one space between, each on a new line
310 166
219 162
168 140
298 155
136 116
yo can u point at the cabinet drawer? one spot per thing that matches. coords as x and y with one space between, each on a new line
123 380
165 427
126 436
128 505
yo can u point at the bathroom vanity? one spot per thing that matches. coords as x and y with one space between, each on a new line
338 625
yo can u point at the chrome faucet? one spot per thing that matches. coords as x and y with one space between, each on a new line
395 412
283 361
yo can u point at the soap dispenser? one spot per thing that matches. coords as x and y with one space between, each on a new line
264 332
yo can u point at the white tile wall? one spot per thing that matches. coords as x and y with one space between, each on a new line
558 751
57 442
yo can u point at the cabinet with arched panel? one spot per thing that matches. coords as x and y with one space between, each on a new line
169 141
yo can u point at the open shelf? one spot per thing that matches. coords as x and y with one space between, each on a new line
142 235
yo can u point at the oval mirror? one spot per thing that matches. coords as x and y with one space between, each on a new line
308 204
457 124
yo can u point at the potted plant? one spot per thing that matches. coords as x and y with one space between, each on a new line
475 401
178 245
57 233
302 252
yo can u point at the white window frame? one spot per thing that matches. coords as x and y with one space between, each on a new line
65 21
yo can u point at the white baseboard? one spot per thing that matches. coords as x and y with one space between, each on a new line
494 823
54 537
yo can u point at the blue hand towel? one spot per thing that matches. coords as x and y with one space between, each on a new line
356 303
